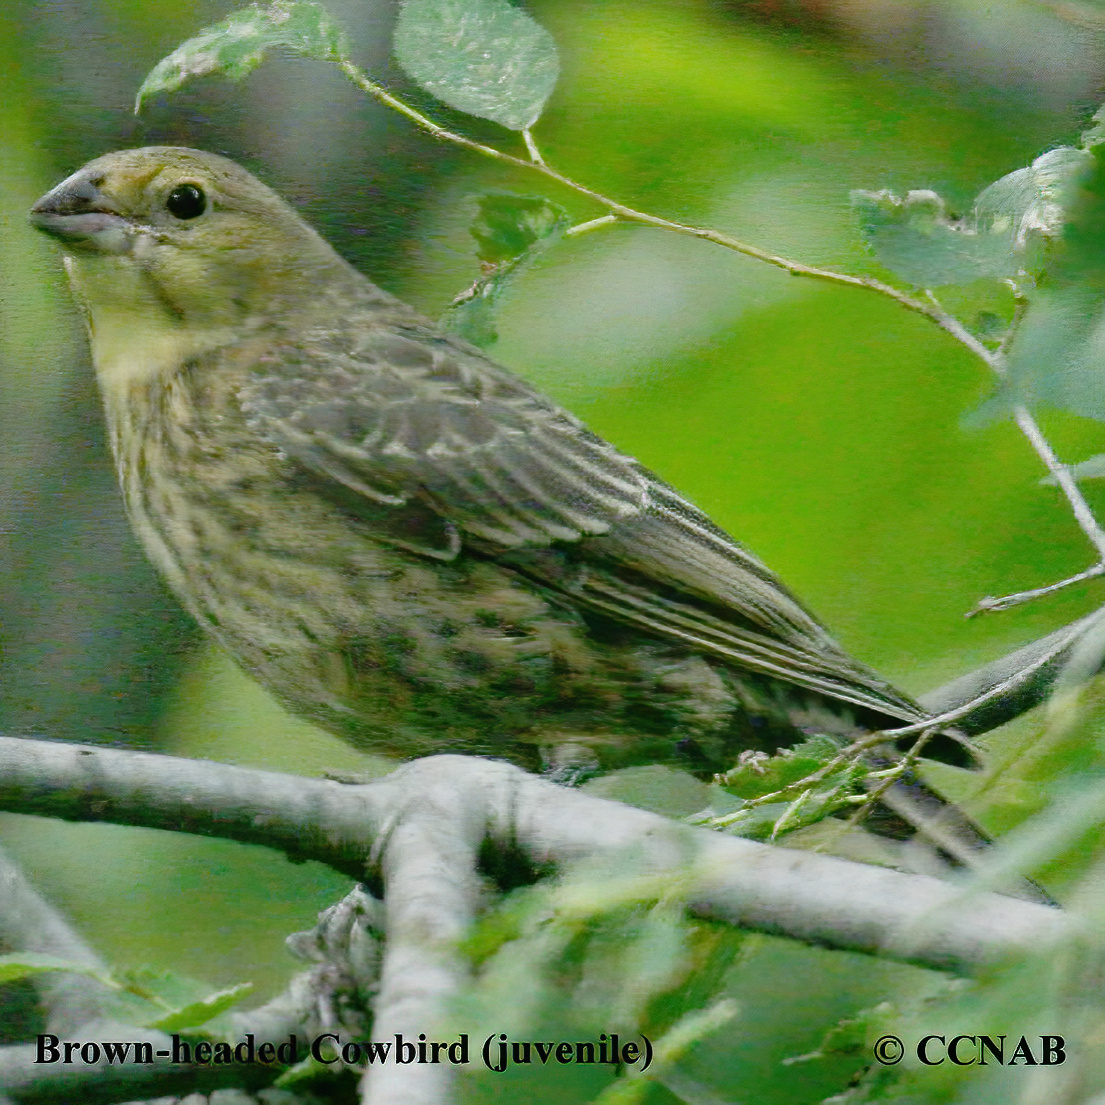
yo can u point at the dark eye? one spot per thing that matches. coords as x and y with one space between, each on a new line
186 201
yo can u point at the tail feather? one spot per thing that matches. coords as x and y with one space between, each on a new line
909 810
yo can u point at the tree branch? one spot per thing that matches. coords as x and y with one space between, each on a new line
809 897
429 853
420 830
22 1080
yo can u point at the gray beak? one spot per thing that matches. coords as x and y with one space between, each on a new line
78 213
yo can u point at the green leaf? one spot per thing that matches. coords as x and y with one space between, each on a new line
510 231
1095 134
471 316
772 820
915 238
690 1030
483 57
20 965
507 226
848 1037
1058 354
178 1001
307 1070
237 45
757 774
1006 233
200 1012
1027 208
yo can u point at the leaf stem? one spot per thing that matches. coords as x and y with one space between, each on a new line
1020 307
843 757
591 224
531 147
1025 420
906 763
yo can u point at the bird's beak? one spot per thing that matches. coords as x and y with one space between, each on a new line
78 213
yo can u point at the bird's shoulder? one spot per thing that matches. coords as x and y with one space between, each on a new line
395 410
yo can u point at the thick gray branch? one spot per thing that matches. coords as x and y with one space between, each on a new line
430 854
24 1080
803 895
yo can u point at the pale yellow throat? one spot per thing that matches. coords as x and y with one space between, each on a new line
135 336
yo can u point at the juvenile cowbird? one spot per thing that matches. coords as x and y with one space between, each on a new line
404 542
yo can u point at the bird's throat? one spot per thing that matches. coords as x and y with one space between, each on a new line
137 337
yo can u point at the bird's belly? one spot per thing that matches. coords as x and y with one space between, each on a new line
403 654
389 649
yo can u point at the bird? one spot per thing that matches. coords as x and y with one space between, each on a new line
402 540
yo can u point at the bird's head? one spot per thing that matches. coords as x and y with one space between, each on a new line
171 242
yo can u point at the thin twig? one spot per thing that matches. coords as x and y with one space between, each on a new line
1019 678
589 225
1026 422
1082 513
1006 688
928 307
990 604
630 214
1020 307
844 756
907 762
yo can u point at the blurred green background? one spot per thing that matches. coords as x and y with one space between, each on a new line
823 426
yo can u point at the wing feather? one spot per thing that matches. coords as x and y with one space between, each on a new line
391 410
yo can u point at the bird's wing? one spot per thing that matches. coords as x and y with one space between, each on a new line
443 448
671 571
402 416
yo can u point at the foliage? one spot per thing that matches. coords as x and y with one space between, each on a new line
238 44
143 997
483 57
510 231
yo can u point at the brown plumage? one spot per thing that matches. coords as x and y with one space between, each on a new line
402 540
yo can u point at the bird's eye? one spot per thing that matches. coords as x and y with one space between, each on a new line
186 201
